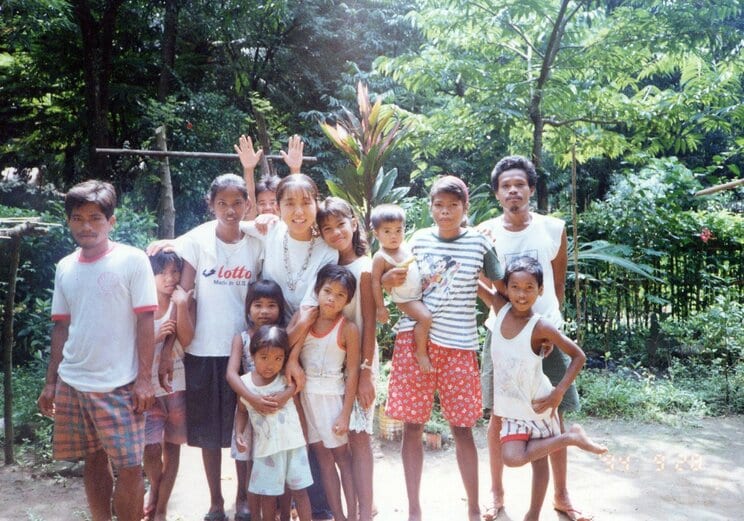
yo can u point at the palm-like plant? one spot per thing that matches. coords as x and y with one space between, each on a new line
367 141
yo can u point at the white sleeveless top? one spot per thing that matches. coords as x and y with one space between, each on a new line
323 360
517 372
410 290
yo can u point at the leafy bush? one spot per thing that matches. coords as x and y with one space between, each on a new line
713 343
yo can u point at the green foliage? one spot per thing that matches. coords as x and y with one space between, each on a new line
366 141
714 341
636 395
29 425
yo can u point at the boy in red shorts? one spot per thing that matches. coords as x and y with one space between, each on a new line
450 257
98 380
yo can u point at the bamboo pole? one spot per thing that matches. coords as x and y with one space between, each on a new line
8 305
575 220
720 188
193 155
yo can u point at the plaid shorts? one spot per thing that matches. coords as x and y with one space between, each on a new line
88 422
456 379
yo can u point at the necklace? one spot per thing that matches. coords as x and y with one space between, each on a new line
292 280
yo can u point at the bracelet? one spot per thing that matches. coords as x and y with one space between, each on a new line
365 365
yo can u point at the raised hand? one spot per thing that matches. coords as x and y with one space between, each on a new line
293 156
248 156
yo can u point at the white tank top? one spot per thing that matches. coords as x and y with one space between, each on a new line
517 372
323 360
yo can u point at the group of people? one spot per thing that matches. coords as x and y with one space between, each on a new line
257 331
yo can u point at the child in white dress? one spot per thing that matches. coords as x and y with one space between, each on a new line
278 443
331 350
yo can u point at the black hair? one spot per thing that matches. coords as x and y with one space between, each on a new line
225 181
337 207
452 185
162 259
514 163
386 213
100 193
264 289
336 273
267 183
297 181
526 264
270 336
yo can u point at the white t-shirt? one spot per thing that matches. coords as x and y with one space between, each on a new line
297 255
101 298
541 240
223 274
276 432
178 381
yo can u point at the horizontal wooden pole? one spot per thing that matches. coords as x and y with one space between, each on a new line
193 155
719 188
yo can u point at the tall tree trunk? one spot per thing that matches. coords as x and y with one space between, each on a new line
168 48
97 38
166 209
535 108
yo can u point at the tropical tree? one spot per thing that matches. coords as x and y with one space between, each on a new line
367 142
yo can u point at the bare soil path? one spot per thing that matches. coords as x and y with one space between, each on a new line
694 471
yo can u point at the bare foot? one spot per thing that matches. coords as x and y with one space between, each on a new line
474 514
584 442
494 511
151 503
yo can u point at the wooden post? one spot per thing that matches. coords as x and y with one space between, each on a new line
575 220
166 208
15 254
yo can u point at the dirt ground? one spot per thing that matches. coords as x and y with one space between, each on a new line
694 471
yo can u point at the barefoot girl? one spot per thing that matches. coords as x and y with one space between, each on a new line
264 305
220 263
276 438
523 396
341 230
330 357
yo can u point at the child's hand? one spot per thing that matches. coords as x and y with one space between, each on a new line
181 297
383 315
165 373
249 158
341 426
166 328
295 375
394 277
265 222
308 316
155 247
241 442
551 401
265 404
424 363
293 156
366 389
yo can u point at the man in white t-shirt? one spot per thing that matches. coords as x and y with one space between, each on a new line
518 232
98 380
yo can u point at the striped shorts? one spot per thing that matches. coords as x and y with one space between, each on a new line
524 430
85 423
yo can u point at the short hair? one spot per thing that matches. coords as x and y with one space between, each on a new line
267 183
269 336
526 264
297 182
386 213
162 259
225 181
514 163
335 273
264 289
100 193
337 207
450 184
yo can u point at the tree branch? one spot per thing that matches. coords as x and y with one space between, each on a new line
556 123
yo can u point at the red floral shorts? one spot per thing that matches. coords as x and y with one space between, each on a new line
455 378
